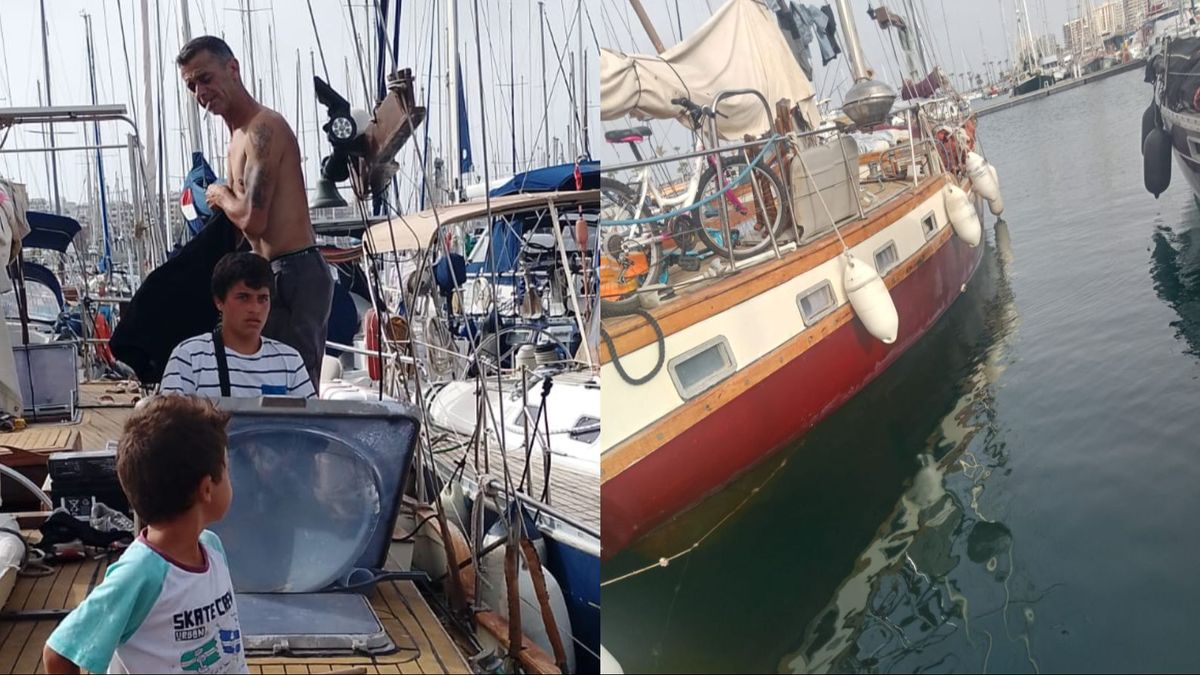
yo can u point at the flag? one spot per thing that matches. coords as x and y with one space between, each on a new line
191 199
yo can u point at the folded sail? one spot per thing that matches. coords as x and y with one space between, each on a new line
740 47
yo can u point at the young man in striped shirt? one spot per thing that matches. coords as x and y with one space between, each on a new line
256 366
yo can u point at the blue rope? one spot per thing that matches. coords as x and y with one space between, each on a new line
671 214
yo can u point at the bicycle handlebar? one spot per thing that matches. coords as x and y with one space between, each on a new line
694 110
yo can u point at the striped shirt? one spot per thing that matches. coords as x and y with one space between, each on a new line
274 370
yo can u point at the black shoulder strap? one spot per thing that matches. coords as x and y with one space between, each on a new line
222 363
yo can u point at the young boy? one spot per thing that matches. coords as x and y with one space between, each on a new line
255 365
167 605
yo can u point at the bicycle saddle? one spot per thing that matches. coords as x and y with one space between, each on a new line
633 135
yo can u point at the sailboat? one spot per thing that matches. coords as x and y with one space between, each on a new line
744 355
1029 75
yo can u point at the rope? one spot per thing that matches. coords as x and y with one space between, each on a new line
660 339
663 562
770 143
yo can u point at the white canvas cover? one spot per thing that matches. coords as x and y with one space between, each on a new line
740 47
13 227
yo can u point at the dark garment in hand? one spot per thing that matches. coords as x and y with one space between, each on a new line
174 303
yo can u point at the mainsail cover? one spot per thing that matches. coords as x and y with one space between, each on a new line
740 47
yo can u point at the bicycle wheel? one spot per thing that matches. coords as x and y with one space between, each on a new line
631 256
757 206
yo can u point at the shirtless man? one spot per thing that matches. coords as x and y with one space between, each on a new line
265 198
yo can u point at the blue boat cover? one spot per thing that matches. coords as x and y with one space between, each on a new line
552 179
50 231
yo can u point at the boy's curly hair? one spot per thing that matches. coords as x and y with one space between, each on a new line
168 446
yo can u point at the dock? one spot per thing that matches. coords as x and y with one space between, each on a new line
1060 87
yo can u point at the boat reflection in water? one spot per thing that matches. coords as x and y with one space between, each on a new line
910 590
1175 267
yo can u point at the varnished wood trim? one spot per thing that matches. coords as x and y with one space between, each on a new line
665 429
632 333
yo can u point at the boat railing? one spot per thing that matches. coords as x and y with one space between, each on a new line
823 205
664 226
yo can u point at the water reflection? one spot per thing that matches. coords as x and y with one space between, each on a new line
806 578
911 604
1175 267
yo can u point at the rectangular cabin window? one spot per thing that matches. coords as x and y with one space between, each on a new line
929 225
816 302
886 258
701 367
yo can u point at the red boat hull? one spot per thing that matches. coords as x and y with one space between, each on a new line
784 405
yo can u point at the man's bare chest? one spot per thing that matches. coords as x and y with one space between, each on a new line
237 162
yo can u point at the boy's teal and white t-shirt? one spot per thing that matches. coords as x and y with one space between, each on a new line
154 615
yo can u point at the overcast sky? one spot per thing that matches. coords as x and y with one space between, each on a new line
965 33
285 25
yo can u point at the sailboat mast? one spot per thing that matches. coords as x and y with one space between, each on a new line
580 98
512 99
271 68
300 135
573 127
312 64
162 132
452 96
545 93
854 52
248 22
148 94
193 109
583 107
49 102
1033 52
49 175
106 260
1007 42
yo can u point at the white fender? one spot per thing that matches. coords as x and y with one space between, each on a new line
494 592
996 206
962 215
871 300
982 179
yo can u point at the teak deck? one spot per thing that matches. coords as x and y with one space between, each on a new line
424 646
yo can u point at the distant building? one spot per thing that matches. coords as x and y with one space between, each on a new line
1075 35
1135 14
1108 19
174 215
